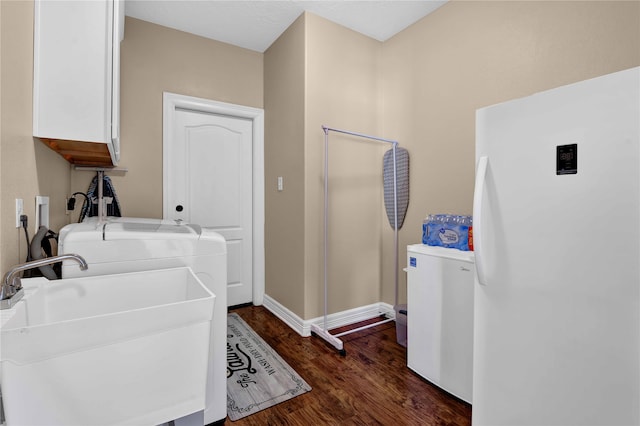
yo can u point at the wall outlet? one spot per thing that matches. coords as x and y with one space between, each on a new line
19 211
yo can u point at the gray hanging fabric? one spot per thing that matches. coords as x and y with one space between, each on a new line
402 178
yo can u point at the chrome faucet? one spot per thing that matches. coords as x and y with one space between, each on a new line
12 291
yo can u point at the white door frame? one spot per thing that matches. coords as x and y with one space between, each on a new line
171 102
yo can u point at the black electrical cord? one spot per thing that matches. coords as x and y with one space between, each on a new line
23 221
71 203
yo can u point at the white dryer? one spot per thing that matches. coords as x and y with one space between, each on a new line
119 245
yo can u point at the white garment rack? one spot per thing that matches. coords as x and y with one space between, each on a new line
323 332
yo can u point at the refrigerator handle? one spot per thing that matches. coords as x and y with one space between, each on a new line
478 236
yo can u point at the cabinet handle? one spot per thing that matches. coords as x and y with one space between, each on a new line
179 208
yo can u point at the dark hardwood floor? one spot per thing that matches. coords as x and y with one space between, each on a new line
371 385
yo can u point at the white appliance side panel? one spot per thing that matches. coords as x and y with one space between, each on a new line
557 326
440 321
424 316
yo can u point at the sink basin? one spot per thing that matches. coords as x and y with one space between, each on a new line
112 349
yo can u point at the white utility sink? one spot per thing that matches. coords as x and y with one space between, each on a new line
111 349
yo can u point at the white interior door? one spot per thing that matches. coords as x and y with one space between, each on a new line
209 175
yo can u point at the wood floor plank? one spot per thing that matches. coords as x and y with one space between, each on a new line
371 385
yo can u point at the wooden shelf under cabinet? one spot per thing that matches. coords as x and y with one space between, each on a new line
81 153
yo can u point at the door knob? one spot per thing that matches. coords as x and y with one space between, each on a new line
179 208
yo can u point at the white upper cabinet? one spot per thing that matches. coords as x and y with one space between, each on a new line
76 81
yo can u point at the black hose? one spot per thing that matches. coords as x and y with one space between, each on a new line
36 253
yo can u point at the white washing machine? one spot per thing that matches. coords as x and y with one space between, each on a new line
440 317
136 244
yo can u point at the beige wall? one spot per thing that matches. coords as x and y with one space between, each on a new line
28 168
342 92
284 96
319 73
155 59
470 54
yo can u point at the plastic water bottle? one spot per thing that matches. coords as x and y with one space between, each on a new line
466 233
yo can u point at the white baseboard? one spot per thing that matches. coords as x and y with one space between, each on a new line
287 316
338 319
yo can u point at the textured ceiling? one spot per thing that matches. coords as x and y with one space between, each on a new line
256 25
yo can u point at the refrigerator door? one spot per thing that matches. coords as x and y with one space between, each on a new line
556 322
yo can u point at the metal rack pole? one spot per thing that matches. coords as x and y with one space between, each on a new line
101 214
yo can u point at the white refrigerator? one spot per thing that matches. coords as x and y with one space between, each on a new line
557 249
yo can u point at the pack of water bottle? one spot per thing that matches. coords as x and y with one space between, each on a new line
448 230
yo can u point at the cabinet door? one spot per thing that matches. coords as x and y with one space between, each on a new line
76 74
